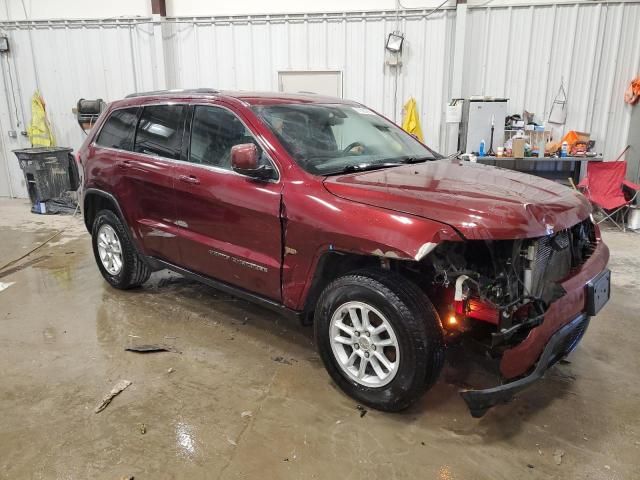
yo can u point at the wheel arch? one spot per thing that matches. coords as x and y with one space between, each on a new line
95 200
335 263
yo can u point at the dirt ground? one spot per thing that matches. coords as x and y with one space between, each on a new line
246 396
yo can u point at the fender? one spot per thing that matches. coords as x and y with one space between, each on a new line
318 222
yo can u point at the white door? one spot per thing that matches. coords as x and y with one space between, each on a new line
322 82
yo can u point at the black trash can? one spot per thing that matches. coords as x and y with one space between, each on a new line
48 171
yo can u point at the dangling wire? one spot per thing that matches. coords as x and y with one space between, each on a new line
33 55
399 5
13 93
398 2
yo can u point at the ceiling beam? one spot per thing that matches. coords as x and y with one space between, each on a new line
159 7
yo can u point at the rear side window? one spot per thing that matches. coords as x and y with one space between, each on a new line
160 131
119 129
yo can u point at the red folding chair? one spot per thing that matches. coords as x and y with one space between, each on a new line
608 191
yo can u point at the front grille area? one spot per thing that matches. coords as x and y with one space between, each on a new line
554 257
583 242
539 264
551 262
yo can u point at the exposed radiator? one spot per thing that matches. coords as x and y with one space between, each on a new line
549 260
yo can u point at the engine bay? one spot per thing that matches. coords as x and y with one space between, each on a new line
499 290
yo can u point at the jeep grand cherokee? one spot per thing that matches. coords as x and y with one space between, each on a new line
323 210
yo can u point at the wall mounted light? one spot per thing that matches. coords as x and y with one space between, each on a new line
394 42
4 44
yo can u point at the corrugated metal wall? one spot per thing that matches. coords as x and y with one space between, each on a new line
73 59
524 53
100 61
247 53
521 52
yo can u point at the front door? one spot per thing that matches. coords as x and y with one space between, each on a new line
230 224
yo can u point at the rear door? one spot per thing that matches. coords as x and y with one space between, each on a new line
115 136
230 224
148 176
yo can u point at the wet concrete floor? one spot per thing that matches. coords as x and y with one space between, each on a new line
247 396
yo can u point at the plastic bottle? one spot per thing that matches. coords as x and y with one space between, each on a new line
563 150
481 151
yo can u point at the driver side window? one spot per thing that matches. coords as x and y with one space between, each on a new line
214 131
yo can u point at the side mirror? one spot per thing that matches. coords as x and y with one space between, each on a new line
244 160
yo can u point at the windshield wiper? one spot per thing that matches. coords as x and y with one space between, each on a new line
416 159
361 167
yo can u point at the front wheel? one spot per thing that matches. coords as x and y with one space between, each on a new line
379 338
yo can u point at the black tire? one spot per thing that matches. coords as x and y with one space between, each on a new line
134 271
415 323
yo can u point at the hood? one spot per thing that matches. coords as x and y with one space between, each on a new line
480 201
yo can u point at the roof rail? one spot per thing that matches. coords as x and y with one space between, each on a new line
197 91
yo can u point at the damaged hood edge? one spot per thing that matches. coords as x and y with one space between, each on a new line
479 201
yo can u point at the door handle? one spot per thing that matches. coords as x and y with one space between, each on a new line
189 179
124 164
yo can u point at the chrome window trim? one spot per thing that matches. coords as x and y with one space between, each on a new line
186 162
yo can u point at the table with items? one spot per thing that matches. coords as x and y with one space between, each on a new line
524 142
553 167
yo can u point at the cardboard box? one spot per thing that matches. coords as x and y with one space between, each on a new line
517 147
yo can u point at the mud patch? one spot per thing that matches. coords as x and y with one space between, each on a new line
23 265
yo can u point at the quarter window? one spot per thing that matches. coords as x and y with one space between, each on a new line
119 128
160 131
215 130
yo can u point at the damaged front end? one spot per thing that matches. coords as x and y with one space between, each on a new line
526 301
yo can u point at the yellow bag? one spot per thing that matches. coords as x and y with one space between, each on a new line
411 120
39 131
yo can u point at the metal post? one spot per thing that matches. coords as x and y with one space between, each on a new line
159 12
458 70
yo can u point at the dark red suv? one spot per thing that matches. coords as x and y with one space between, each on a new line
323 210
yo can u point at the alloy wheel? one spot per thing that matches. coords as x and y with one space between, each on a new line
364 344
109 249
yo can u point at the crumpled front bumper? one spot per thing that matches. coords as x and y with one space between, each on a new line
560 345
564 324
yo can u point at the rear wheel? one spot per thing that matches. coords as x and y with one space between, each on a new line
118 260
379 338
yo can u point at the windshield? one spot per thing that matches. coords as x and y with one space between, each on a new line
331 139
